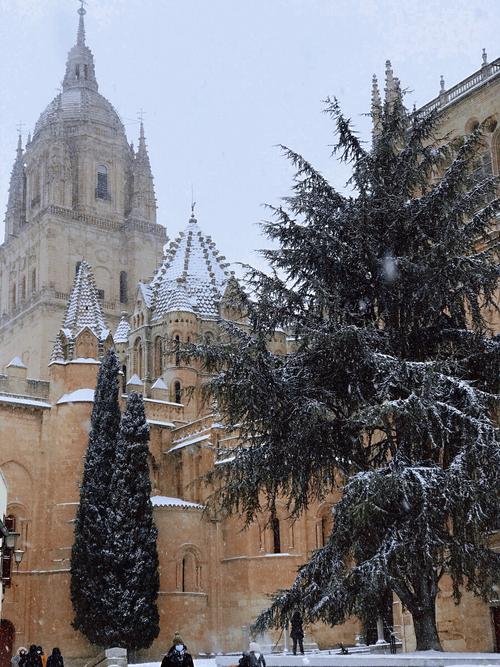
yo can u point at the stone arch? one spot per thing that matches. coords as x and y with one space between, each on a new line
189 569
138 357
176 390
324 524
471 125
158 356
86 345
19 482
495 150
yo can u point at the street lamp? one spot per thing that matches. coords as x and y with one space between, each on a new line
10 540
18 556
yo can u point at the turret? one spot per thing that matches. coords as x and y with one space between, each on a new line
16 205
84 333
143 193
80 70
376 107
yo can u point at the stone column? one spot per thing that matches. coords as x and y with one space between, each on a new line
380 630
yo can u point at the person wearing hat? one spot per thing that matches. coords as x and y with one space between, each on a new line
20 657
177 655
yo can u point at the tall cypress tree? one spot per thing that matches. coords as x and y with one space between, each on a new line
390 388
133 582
89 557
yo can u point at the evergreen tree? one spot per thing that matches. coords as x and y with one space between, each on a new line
133 581
89 561
391 385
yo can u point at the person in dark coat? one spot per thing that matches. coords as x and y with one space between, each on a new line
297 632
55 659
178 655
33 659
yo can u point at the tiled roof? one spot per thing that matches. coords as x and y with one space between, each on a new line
122 331
84 309
192 276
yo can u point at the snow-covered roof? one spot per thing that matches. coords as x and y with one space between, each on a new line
167 501
122 331
16 363
84 309
192 276
194 440
146 292
159 384
135 381
84 395
30 402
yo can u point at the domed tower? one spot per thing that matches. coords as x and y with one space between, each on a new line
77 189
182 304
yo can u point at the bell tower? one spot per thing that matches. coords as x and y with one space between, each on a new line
77 190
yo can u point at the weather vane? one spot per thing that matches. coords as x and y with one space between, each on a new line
20 127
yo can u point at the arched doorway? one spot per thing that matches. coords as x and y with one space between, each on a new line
7 635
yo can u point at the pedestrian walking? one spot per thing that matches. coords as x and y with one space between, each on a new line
297 632
33 659
255 655
42 655
177 655
55 659
20 657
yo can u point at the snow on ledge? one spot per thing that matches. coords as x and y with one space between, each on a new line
159 422
159 384
135 381
85 395
168 501
16 363
190 441
18 400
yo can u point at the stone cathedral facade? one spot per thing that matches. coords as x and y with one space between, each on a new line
84 267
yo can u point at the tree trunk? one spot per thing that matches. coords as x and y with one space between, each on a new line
424 623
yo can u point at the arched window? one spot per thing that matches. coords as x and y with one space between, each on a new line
123 287
85 72
177 392
124 379
77 267
138 357
35 189
23 288
177 350
275 528
13 295
158 352
77 72
33 280
101 191
190 573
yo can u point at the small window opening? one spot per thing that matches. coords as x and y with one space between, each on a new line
77 72
177 351
123 287
33 280
101 191
85 72
77 267
124 379
177 391
275 527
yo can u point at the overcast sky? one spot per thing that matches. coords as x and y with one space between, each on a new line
223 81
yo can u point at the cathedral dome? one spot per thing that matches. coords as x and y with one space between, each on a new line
80 100
80 104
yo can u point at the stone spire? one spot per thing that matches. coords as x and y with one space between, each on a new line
376 106
84 331
392 85
143 192
16 204
80 70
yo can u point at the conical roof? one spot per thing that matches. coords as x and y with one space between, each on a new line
84 309
122 331
192 276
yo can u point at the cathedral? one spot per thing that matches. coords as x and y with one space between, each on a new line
86 266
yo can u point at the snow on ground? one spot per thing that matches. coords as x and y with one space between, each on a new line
198 662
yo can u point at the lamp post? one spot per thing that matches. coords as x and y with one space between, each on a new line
8 551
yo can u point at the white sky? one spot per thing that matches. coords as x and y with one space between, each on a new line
223 81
